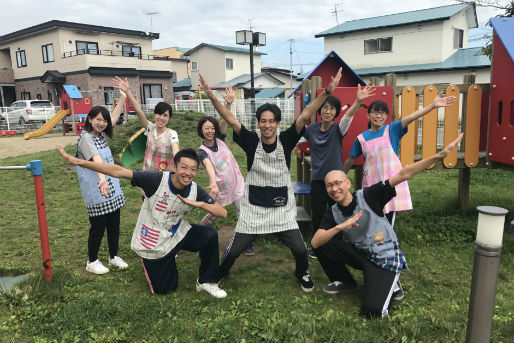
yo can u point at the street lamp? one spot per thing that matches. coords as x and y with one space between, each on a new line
251 38
486 264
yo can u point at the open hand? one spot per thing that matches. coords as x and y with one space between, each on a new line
71 159
189 202
450 147
366 92
442 101
104 187
350 223
121 84
229 98
335 80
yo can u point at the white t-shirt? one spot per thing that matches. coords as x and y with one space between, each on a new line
151 126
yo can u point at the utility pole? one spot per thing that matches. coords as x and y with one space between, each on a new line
291 42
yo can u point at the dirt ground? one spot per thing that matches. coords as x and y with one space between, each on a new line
17 145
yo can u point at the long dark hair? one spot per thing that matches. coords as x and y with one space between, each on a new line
105 114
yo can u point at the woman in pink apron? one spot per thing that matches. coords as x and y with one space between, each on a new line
379 146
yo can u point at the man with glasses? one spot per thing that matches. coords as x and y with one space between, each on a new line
268 204
370 243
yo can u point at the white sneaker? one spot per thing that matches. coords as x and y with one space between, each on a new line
211 288
118 262
96 267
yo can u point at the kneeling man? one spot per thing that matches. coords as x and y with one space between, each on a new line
370 243
161 230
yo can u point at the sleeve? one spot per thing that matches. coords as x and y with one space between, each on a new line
203 196
222 136
356 149
290 137
87 147
148 180
378 195
202 155
173 137
149 128
327 222
247 140
307 133
397 131
344 124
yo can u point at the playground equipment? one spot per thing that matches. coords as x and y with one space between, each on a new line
485 115
43 130
36 169
135 149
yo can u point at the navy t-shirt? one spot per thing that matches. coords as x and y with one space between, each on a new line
149 181
326 149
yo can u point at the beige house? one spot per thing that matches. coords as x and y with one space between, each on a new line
219 63
38 60
176 52
421 47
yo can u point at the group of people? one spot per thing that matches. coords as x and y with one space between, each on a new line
353 229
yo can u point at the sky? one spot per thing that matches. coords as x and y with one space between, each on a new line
189 23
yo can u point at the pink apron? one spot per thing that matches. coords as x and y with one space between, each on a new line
228 176
382 163
158 154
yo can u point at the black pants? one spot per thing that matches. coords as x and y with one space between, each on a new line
162 274
291 238
378 282
111 222
319 202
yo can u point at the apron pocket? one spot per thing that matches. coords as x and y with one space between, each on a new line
267 196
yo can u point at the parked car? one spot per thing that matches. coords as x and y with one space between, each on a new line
26 111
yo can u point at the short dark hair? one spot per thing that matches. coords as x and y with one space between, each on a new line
214 123
162 107
187 153
377 106
277 113
332 100
105 114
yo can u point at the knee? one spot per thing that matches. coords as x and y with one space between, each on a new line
210 233
373 311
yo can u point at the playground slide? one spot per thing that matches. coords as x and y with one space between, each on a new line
43 130
135 151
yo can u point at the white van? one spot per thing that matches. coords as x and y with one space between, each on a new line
151 102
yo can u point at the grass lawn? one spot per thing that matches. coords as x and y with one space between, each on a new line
264 303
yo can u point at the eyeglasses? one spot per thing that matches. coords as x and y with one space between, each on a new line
381 113
338 183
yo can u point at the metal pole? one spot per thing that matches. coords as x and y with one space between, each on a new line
252 89
485 274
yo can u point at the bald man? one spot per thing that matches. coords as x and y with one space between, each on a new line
370 243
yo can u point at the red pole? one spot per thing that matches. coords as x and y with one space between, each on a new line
37 171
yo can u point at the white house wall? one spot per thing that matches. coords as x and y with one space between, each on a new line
211 63
241 65
446 77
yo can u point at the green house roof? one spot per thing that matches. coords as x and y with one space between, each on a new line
461 59
405 18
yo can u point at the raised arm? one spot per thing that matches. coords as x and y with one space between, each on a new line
209 168
229 99
115 115
113 170
348 164
123 85
439 101
408 172
215 209
316 104
362 94
222 110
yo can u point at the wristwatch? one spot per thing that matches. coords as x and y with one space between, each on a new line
326 91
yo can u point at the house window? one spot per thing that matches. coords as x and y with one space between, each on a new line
458 37
50 96
21 58
25 95
48 53
38 96
229 63
373 46
131 50
152 91
108 95
90 48
194 65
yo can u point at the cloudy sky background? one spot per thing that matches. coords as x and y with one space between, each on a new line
189 23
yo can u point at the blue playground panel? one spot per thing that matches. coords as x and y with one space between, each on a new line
301 188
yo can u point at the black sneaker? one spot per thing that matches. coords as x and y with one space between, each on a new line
337 287
249 250
306 283
399 294
311 253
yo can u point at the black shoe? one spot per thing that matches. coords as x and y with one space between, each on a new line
306 283
337 287
399 294
311 253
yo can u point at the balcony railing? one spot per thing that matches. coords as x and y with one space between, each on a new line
114 53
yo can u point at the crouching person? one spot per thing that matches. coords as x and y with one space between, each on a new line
354 232
161 230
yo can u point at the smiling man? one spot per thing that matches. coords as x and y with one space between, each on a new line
370 243
161 230
268 205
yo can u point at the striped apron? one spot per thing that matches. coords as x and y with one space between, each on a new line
268 170
382 163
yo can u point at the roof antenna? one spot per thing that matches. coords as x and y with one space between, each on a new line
150 15
335 11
